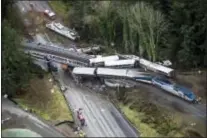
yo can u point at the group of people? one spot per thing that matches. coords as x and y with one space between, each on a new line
81 118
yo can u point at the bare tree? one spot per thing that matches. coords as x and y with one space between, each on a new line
150 24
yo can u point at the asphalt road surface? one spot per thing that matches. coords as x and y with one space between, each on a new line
39 6
101 113
102 118
14 117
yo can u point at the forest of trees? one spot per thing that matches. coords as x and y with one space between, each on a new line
16 67
154 29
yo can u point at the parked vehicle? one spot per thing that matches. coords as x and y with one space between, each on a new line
49 14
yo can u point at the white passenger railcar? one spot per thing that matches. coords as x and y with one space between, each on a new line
99 61
174 89
127 63
84 71
157 68
151 66
59 28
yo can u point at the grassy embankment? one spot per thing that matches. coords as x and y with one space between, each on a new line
145 129
61 9
149 119
153 120
45 99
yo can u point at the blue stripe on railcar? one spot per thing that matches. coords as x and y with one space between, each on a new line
162 80
145 78
187 92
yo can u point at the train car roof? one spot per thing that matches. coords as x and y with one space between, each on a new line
112 72
130 57
156 66
102 59
84 71
132 73
119 62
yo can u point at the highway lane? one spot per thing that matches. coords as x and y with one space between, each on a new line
38 6
102 118
41 6
22 119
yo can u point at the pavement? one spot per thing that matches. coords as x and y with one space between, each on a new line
102 118
39 6
15 117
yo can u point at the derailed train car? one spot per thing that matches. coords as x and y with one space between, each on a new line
157 68
99 61
175 89
125 63
107 73
159 82
148 65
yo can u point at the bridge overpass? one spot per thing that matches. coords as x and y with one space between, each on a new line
75 59
55 50
55 58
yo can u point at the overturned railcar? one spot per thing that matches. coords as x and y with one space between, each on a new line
125 63
99 61
157 68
